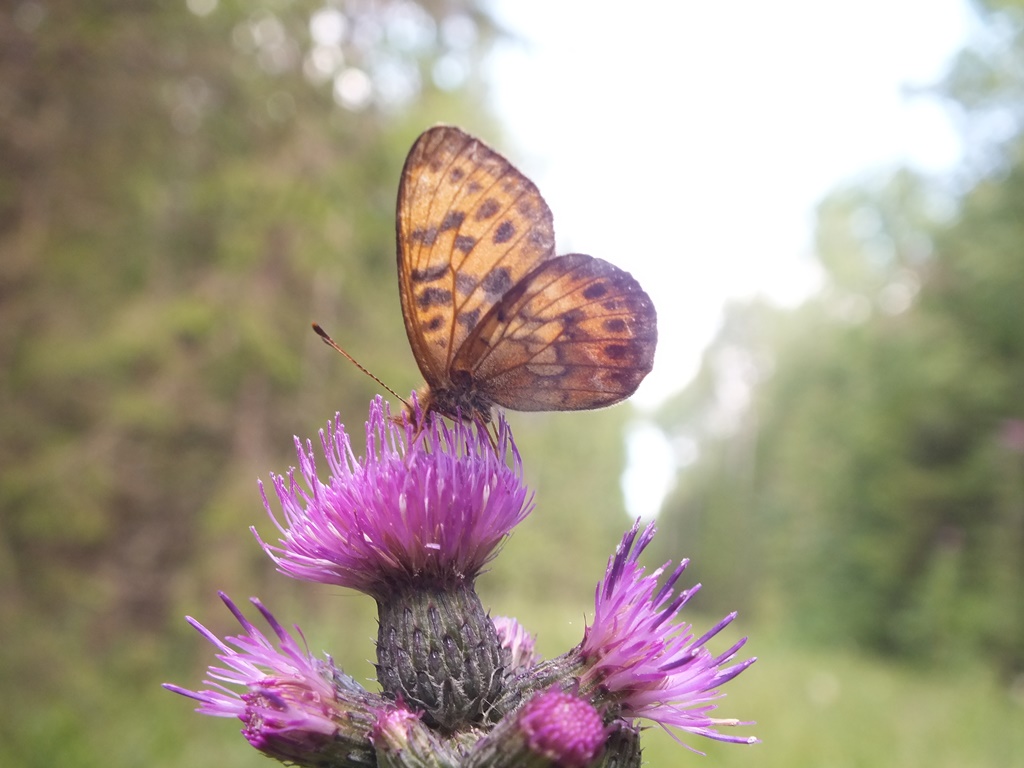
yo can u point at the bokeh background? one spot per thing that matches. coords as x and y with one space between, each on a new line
186 184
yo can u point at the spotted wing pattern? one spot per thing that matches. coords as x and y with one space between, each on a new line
493 316
469 227
576 333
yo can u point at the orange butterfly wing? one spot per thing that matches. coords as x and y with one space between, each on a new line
576 333
469 227
492 315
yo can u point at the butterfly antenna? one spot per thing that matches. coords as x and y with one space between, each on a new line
333 345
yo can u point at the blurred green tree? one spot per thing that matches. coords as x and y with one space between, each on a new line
184 186
862 453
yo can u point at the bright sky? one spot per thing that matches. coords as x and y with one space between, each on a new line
689 142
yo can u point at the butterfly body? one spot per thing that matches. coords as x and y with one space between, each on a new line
493 315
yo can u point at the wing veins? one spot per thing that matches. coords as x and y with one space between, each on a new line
508 332
423 252
576 287
506 256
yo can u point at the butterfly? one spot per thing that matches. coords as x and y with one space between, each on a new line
494 316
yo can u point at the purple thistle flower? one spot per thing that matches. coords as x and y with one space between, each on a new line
412 523
562 728
293 707
554 727
514 638
427 507
394 723
401 739
642 659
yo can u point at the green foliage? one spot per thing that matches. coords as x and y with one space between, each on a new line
180 195
830 707
867 479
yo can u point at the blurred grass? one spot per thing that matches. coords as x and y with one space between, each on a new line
836 709
812 707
